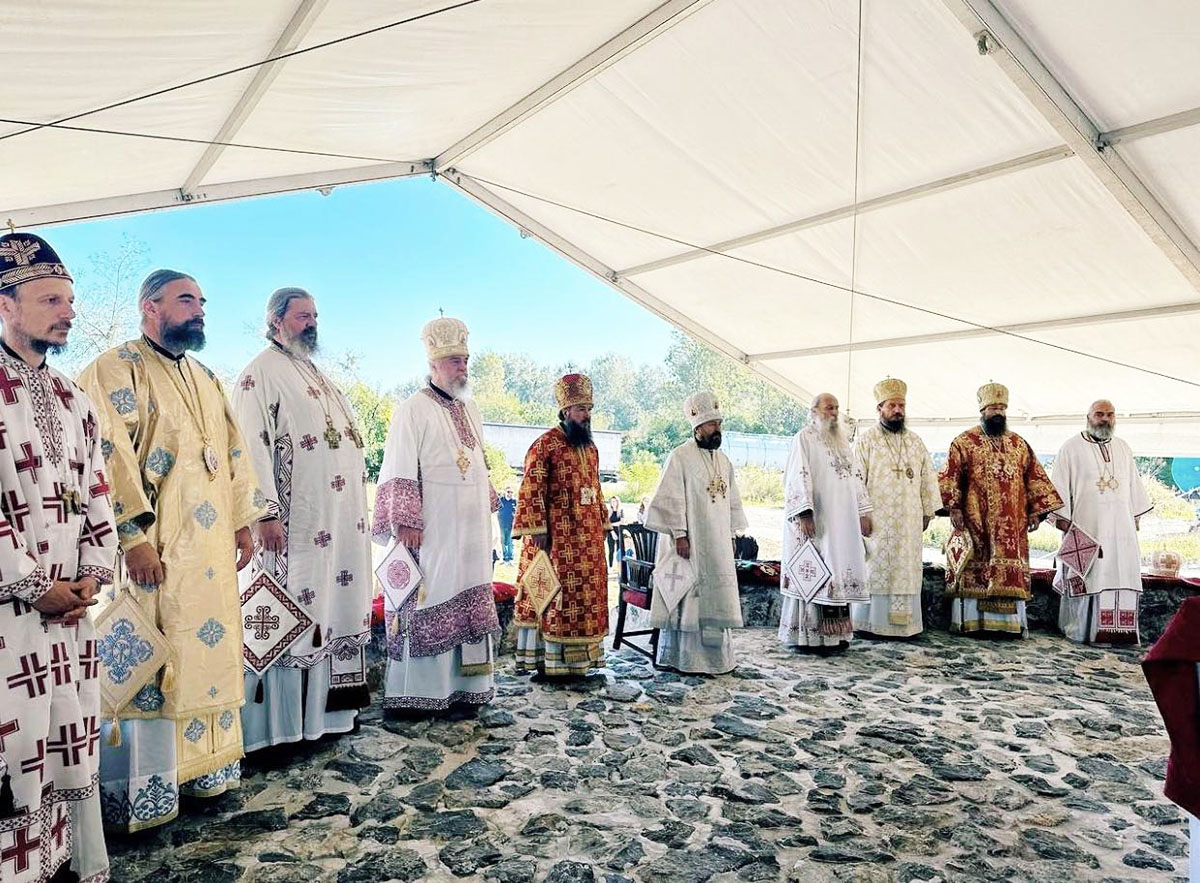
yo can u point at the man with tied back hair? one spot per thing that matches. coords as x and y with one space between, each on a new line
57 550
560 512
435 497
997 491
308 455
824 501
184 495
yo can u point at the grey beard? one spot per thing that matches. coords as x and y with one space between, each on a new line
1100 433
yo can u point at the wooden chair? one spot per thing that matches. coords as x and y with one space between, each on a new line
636 585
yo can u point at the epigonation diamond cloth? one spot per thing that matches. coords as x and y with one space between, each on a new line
806 573
540 582
673 579
131 650
1079 550
271 622
399 575
960 552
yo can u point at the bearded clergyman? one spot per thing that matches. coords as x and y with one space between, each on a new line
1103 494
825 501
697 511
185 496
996 490
436 499
308 454
902 486
560 512
58 550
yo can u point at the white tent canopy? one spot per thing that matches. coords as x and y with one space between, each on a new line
950 191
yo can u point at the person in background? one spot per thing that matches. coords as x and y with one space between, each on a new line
613 536
508 509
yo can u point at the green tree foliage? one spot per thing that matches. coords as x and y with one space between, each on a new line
500 473
640 477
759 486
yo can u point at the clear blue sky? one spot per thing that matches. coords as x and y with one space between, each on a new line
380 258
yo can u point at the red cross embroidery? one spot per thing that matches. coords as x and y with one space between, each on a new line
89 426
92 534
63 392
101 486
37 763
21 847
89 665
322 539
32 676
345 578
314 392
62 822
8 386
6 530
15 509
32 462
70 744
308 442
247 382
338 483
57 504
7 729
60 664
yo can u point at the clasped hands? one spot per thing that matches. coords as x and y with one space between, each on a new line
808 525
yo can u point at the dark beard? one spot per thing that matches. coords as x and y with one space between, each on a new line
711 443
41 347
994 425
184 336
579 435
896 425
307 340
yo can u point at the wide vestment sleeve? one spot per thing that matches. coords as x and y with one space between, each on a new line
1139 499
737 515
1061 475
116 386
531 518
253 398
953 479
1040 496
398 499
249 501
797 481
667 512
97 539
931 496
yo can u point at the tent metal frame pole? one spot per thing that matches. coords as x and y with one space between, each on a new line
158 200
1170 123
529 227
297 27
899 197
1159 312
998 39
595 62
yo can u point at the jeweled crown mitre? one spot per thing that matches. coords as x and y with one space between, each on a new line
444 337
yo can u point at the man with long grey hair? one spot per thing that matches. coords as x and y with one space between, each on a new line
184 496
306 448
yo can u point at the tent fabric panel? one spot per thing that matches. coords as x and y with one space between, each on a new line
1170 165
1123 63
410 91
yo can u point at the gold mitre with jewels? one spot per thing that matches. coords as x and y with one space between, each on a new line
701 407
890 388
444 337
992 394
573 389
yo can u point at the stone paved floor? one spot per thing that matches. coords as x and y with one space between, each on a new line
947 760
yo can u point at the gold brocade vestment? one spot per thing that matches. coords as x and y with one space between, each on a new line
164 494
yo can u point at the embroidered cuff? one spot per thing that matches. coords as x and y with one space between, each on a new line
131 535
103 575
397 504
29 588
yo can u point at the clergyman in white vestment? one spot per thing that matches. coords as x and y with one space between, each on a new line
825 501
1103 494
697 511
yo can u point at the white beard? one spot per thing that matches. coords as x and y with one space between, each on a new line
831 431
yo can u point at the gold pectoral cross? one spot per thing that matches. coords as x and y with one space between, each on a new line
333 438
717 487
